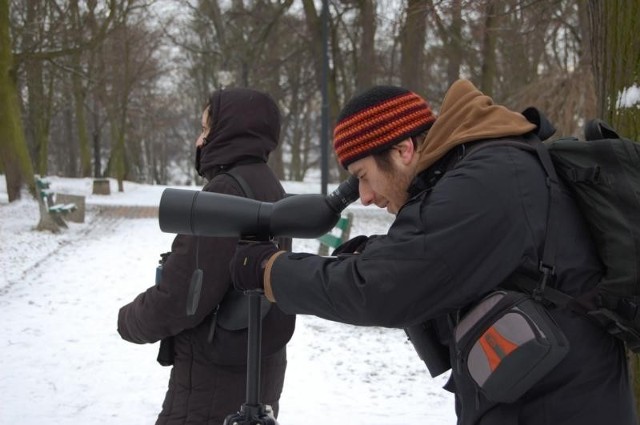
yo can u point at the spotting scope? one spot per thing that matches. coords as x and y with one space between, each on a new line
201 213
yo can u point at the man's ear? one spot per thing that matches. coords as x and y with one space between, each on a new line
406 150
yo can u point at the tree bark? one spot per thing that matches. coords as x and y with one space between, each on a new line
14 154
412 36
616 61
598 52
314 24
366 60
79 98
454 50
489 68
615 50
38 104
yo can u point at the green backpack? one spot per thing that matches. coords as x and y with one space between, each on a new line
603 173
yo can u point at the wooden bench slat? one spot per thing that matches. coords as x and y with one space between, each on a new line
64 208
42 184
330 240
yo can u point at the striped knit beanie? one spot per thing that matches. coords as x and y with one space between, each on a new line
377 119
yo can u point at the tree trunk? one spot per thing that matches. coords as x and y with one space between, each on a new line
14 154
38 95
365 65
488 69
97 153
315 29
412 38
81 126
615 51
455 48
616 61
79 98
117 161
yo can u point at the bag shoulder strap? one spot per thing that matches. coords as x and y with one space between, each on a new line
532 143
244 186
234 315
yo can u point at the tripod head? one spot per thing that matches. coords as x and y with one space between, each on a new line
251 415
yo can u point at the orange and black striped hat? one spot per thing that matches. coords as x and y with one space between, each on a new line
378 118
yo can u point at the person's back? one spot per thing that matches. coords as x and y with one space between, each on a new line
208 379
590 385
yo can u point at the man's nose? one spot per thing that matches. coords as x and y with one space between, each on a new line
366 194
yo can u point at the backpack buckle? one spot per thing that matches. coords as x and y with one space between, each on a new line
547 273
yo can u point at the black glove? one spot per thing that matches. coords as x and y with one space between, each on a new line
248 262
351 246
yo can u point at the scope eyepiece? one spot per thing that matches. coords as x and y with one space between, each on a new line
345 194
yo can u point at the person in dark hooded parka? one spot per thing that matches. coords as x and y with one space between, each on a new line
240 128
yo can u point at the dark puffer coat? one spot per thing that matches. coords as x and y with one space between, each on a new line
208 379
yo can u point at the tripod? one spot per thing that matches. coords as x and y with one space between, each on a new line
252 412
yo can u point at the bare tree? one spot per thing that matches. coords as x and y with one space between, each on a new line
89 81
412 36
26 57
616 68
365 62
16 162
489 66
128 70
562 84
40 80
80 80
616 60
448 25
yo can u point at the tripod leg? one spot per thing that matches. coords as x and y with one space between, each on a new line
252 411
254 350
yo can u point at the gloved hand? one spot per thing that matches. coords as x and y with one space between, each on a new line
352 246
248 262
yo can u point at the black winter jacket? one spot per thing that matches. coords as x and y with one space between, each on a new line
448 247
208 378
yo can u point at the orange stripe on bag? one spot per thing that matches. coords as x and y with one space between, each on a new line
495 347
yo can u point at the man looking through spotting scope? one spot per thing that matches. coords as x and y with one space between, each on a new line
466 220
194 305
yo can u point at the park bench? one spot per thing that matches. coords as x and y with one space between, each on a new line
337 236
51 213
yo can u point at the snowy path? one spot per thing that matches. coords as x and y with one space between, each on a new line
63 362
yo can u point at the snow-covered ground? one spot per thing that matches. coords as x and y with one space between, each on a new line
62 361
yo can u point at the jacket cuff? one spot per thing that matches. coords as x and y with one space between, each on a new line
268 291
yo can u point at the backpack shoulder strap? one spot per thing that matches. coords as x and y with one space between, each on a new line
232 312
544 127
546 265
597 129
244 186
